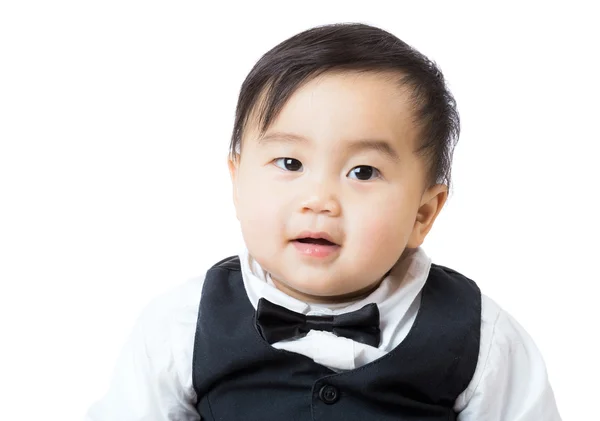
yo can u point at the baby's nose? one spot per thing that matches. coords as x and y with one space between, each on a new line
322 203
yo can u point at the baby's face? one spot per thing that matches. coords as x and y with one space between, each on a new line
330 196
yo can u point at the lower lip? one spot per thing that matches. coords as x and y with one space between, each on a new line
316 250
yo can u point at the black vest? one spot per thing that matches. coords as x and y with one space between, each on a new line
237 375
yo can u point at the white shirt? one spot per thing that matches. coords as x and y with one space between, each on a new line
153 377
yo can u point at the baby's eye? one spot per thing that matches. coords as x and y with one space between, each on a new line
289 164
364 173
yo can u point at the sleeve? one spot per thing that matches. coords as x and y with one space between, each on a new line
510 382
152 380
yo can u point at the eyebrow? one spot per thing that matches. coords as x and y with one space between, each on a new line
382 146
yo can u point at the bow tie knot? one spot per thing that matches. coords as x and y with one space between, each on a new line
276 323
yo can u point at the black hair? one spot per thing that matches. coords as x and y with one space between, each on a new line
361 48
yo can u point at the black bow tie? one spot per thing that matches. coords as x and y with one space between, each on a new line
276 323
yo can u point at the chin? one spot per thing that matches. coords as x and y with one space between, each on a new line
317 288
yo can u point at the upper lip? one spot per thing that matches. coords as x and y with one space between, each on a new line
322 235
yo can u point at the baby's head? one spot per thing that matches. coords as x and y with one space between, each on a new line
340 158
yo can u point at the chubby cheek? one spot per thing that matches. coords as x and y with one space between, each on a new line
261 221
378 238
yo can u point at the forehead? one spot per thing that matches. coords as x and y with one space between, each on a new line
346 106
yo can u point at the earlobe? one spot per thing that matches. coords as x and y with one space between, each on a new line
232 163
433 201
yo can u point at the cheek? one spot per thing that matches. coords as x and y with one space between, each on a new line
257 212
260 211
385 225
378 230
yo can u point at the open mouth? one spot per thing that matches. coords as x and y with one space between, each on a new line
319 241
316 245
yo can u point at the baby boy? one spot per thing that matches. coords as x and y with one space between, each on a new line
340 163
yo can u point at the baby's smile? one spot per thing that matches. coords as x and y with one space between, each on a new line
316 245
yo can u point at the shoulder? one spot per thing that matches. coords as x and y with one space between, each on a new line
167 324
501 330
231 263
166 330
502 337
176 304
449 276
152 376
509 365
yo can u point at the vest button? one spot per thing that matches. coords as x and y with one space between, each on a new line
329 394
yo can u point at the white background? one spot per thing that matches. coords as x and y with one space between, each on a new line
115 118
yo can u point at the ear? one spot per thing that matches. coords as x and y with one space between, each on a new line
432 202
233 164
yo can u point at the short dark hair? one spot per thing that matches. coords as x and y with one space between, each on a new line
353 47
